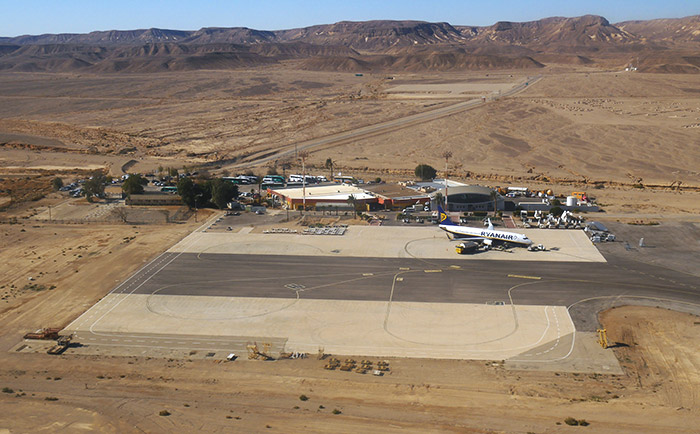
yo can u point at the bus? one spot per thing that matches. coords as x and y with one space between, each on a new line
345 179
273 179
169 189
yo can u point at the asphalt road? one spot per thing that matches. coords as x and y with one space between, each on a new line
372 130
585 287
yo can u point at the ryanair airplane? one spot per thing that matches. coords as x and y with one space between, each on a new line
487 236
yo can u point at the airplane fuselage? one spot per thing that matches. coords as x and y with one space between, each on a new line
478 234
487 236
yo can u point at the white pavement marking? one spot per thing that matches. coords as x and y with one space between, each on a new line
372 328
141 272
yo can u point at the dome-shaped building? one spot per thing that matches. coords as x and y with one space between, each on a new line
470 198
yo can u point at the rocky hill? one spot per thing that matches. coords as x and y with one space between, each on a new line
667 45
554 34
671 32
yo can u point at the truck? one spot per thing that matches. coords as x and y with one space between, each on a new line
62 343
580 195
466 247
44 334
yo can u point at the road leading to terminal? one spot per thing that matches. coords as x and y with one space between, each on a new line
373 130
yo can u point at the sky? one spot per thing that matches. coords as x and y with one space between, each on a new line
33 17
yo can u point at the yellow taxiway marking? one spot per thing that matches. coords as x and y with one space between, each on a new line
368 274
525 277
404 268
399 279
433 271
456 267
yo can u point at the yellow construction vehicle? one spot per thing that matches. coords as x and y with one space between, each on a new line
603 338
254 352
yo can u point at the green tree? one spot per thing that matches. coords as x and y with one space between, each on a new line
222 192
425 172
187 191
556 211
95 186
203 193
57 183
134 184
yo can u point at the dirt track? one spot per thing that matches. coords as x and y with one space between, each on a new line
583 125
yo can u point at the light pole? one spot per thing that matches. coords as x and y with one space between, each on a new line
195 206
303 155
446 155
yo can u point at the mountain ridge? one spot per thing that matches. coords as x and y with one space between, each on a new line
372 45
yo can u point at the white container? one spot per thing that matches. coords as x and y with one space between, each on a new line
571 201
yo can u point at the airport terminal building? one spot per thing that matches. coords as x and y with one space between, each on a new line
396 197
470 198
461 197
335 196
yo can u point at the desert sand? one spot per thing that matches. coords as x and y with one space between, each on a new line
624 137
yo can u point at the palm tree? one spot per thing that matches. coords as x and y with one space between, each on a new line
352 201
303 155
494 196
329 165
446 155
439 198
285 165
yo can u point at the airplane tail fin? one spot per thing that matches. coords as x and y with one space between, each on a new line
443 218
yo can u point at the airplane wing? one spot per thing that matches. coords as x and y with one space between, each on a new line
460 237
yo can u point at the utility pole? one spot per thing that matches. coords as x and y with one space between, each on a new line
195 205
303 155
446 155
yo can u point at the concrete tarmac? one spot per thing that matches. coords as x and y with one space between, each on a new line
300 302
428 242
396 329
